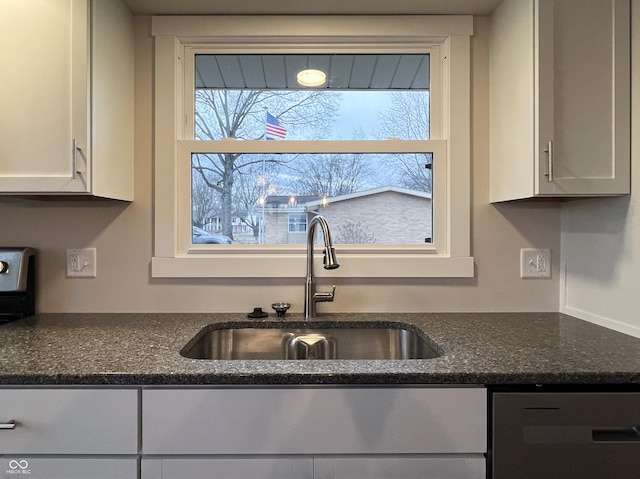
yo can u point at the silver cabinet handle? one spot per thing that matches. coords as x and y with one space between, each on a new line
8 425
74 158
549 152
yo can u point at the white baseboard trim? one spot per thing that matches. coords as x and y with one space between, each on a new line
602 321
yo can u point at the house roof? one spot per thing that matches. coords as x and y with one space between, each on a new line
374 191
277 201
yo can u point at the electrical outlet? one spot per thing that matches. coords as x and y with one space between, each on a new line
81 263
535 263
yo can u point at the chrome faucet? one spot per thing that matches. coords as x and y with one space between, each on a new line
311 297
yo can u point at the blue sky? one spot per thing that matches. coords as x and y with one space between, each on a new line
360 109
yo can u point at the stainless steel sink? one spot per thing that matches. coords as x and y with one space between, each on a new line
305 340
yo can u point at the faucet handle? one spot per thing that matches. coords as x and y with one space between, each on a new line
325 296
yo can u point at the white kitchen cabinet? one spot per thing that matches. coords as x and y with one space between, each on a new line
559 99
66 98
314 432
228 468
53 467
68 421
311 420
69 433
400 467
349 467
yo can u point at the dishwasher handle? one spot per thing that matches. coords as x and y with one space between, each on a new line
579 434
616 434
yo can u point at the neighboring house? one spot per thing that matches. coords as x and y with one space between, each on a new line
388 215
286 219
213 225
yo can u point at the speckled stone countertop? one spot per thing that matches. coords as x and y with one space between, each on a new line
479 348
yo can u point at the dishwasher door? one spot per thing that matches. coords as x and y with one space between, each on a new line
564 435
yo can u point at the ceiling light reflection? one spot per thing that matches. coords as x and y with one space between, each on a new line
311 77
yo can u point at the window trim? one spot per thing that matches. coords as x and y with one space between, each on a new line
172 258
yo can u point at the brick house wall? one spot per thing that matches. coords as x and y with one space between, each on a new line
384 218
387 217
276 229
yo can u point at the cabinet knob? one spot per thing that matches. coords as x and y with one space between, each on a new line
4 267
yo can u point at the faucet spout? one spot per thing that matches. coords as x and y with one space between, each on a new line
330 261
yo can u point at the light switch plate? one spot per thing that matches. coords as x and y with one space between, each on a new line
535 263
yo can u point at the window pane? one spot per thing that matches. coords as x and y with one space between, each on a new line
297 223
266 199
382 199
365 97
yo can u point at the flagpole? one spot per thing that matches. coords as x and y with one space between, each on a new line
261 229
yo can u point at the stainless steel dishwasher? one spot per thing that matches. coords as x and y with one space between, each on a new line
565 435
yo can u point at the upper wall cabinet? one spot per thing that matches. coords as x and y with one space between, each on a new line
66 98
560 99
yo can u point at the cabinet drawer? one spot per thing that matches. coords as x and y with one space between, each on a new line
372 467
69 421
228 468
68 468
314 421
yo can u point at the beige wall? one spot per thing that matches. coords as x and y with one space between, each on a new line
601 253
123 237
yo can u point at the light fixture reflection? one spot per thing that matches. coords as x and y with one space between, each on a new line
311 77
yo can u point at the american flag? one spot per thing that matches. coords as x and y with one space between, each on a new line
274 129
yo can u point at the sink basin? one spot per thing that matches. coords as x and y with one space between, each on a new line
310 340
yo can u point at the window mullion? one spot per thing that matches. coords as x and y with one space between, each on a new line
311 146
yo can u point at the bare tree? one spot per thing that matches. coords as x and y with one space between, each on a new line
413 171
252 186
241 114
408 117
205 203
353 233
331 174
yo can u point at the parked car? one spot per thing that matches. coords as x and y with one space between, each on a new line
201 236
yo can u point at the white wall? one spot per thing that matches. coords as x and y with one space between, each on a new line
601 238
122 235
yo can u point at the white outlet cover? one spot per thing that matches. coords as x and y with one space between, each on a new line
81 263
535 263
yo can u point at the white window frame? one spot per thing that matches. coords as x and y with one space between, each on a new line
176 40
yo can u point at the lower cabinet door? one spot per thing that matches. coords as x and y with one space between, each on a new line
92 421
314 421
52 467
318 467
238 467
401 467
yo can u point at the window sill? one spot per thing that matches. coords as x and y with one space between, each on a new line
293 266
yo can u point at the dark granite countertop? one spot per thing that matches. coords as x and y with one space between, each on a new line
479 348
